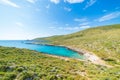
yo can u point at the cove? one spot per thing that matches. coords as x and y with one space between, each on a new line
46 49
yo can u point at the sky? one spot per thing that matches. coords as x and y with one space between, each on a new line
29 19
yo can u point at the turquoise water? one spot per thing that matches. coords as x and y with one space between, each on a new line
53 50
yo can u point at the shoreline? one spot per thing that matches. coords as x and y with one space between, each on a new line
89 56
64 58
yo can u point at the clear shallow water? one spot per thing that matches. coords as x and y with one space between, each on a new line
53 50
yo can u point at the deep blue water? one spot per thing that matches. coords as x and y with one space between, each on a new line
53 50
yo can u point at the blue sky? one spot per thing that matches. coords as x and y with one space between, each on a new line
28 19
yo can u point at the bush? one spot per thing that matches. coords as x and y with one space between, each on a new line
9 76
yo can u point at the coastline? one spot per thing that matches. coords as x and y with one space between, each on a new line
64 58
89 56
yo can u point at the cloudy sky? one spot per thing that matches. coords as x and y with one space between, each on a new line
28 19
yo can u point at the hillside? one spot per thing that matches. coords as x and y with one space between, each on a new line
104 41
23 64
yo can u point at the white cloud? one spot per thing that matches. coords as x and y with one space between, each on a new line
55 1
66 24
90 3
52 27
74 1
80 20
19 24
75 28
67 9
109 16
81 27
104 10
37 9
31 1
69 1
117 8
48 6
84 23
8 2
70 28
84 27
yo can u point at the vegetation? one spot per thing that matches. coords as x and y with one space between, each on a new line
103 41
23 64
